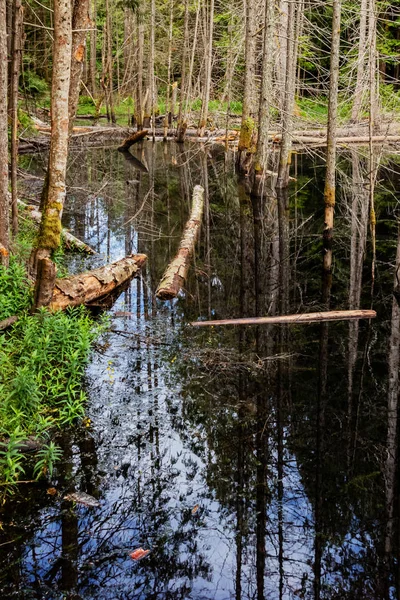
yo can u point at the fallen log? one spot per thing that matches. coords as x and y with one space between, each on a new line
70 240
176 272
88 287
6 323
333 315
133 139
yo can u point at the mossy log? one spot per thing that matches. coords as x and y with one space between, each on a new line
176 272
93 285
133 139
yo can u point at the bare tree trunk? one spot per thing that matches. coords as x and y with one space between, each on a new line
80 23
248 112
50 227
182 125
283 40
15 67
207 75
140 52
361 62
261 155
110 84
167 121
4 202
295 14
93 47
152 91
330 179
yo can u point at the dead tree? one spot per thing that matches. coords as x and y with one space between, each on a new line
4 202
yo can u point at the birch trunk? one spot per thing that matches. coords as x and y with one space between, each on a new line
330 179
4 203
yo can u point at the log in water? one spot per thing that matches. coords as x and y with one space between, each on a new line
333 315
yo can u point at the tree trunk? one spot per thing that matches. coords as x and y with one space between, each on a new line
330 179
182 125
80 23
93 47
248 112
261 156
167 122
15 68
54 196
176 273
93 285
294 22
4 202
361 62
152 90
110 84
207 74
140 52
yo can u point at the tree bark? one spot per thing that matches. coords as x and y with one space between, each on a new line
330 178
176 273
15 68
4 202
334 315
80 23
93 47
207 74
45 280
133 139
182 125
93 285
140 52
361 62
54 194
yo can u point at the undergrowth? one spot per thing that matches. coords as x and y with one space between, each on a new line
42 362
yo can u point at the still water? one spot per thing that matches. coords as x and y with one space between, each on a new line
253 463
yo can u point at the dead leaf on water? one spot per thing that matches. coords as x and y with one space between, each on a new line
51 491
82 498
195 509
139 553
123 313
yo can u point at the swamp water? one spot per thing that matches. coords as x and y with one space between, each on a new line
253 463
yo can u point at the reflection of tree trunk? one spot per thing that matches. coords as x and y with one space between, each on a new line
359 225
320 429
261 491
393 397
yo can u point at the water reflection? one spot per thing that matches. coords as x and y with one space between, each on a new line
253 463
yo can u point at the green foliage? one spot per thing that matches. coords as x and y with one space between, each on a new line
11 458
33 85
15 289
47 456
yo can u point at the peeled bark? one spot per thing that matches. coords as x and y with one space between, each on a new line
93 285
334 315
176 272
4 204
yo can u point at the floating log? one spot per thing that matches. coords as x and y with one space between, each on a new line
333 315
88 287
70 240
133 139
176 272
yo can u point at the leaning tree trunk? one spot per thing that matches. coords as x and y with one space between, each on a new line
15 68
80 23
261 157
4 202
50 227
330 179
247 125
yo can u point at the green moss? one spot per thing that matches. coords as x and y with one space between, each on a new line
50 230
246 132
